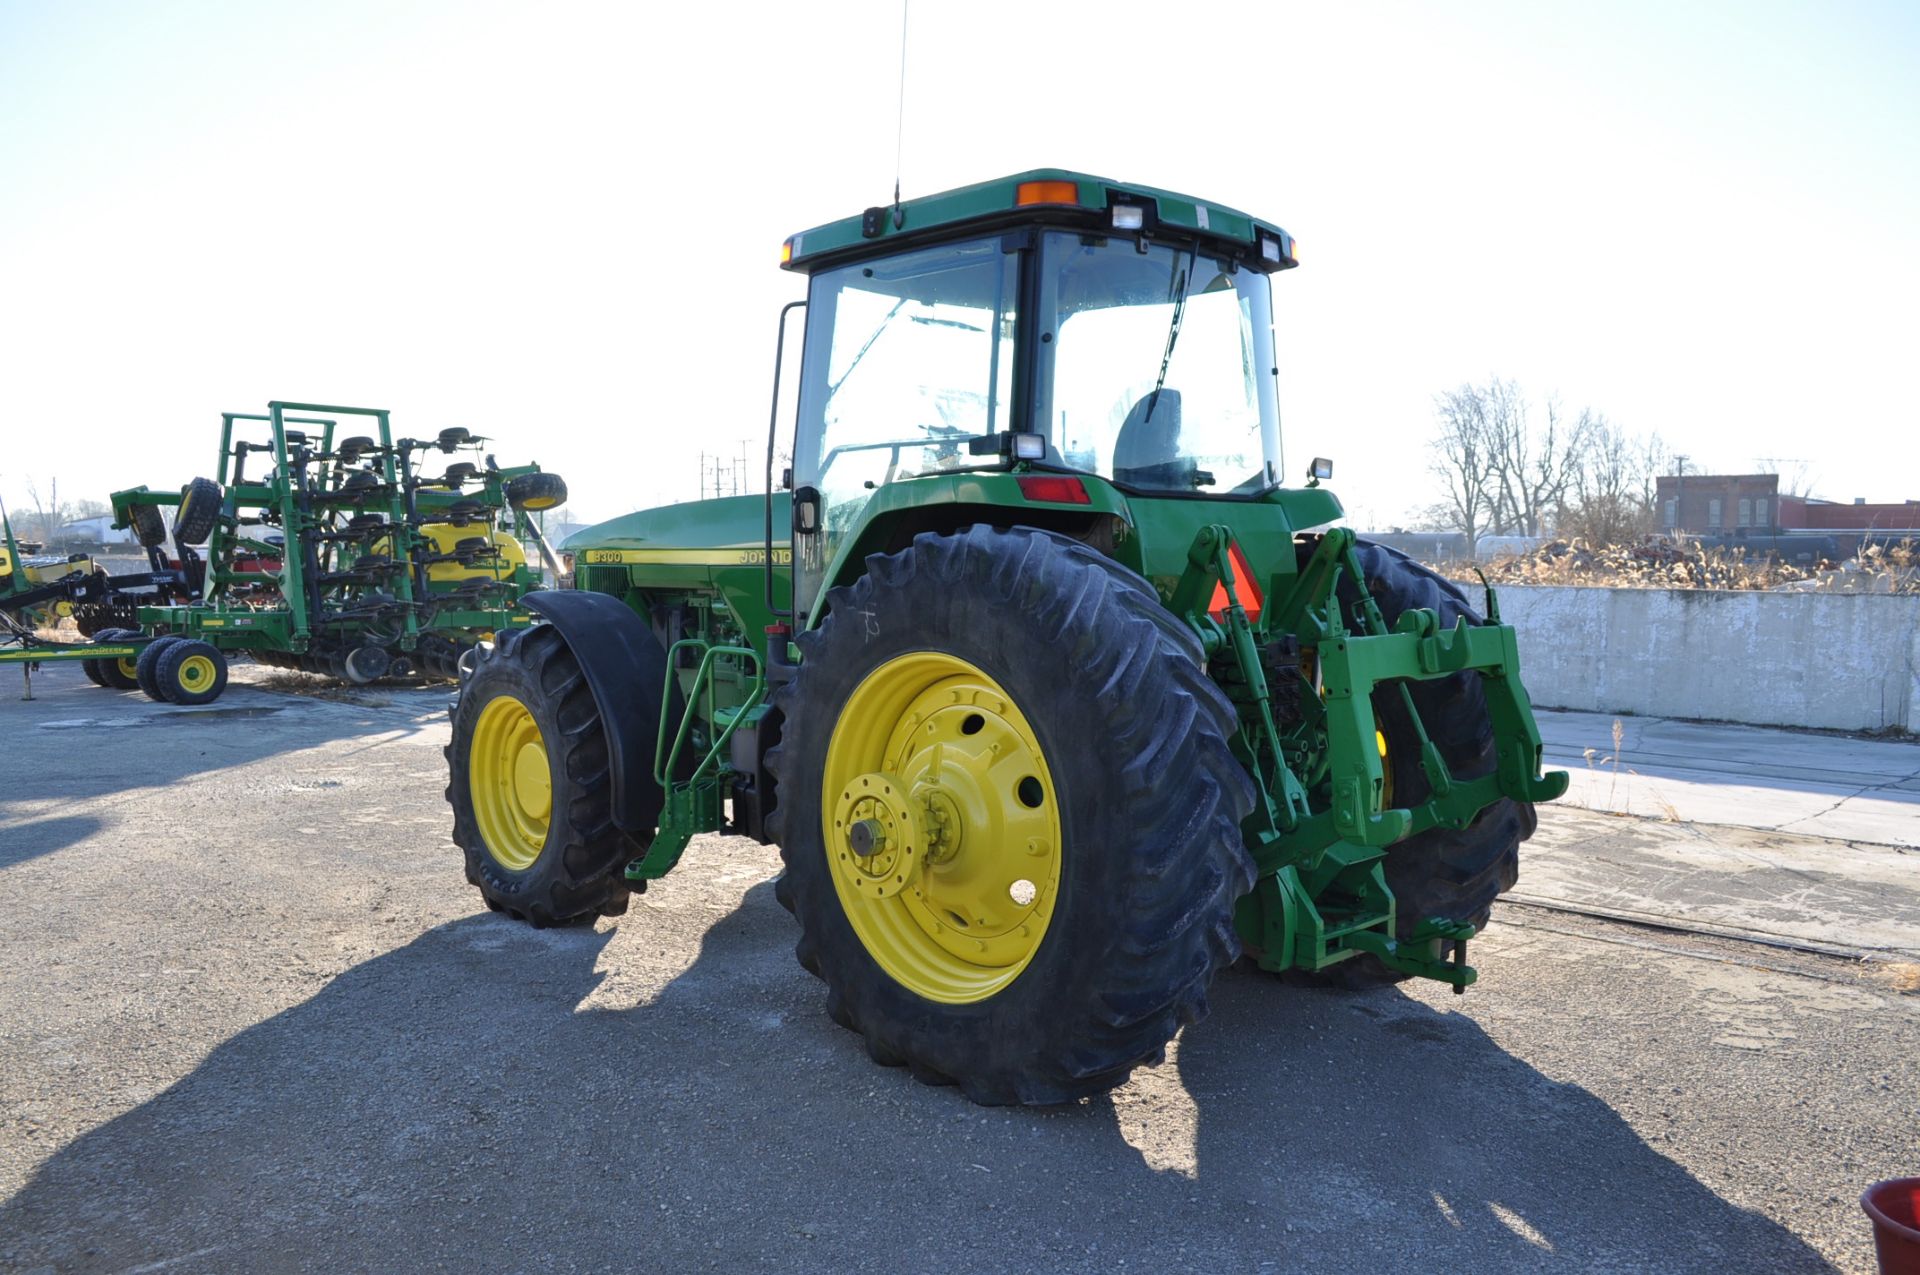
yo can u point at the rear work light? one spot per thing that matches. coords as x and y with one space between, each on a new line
1055 489
1046 193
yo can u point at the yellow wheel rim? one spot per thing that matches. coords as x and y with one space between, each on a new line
197 673
511 783
1386 770
942 827
128 668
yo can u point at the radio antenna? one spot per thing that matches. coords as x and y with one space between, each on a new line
900 117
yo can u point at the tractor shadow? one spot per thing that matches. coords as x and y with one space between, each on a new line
493 1098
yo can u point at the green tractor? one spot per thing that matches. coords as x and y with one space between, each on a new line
1054 698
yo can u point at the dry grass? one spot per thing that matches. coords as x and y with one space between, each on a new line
1661 563
1901 976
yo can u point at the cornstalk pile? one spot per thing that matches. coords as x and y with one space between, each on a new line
1662 563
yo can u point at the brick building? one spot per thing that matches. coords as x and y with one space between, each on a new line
1718 504
1734 507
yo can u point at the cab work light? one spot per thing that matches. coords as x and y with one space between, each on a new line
1129 217
1046 193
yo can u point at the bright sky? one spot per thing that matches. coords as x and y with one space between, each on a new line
557 223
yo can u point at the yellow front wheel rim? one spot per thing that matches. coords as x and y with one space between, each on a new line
197 673
942 827
511 783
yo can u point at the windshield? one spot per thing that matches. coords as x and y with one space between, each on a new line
906 359
1157 367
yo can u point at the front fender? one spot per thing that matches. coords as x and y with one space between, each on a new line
626 670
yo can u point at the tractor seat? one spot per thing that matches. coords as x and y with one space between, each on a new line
1146 452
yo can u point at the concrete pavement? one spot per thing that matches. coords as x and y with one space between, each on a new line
1845 787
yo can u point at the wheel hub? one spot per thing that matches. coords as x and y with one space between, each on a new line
880 841
953 881
511 783
532 786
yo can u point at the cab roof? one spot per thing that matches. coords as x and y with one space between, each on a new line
1039 196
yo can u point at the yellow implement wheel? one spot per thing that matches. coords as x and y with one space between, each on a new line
190 672
942 827
512 783
196 672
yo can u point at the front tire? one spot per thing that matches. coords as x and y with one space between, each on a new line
531 788
1009 815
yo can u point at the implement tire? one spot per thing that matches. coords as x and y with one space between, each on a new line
149 527
1451 872
531 787
120 674
1069 913
191 672
199 510
147 667
537 491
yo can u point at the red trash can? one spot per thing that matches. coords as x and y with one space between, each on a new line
1894 1207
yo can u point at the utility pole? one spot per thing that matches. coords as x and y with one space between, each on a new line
1679 491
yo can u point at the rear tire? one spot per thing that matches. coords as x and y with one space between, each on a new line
1130 742
550 861
1456 873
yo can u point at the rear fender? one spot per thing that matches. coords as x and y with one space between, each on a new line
626 669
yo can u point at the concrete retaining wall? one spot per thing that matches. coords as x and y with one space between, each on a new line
1846 661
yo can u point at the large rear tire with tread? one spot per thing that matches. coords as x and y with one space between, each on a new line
1455 873
1101 696
531 786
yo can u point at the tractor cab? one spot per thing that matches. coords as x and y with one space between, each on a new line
1048 322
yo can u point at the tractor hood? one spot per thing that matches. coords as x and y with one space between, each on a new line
727 524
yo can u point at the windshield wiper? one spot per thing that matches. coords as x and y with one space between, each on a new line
1178 294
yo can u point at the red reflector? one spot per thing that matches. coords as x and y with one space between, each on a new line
1243 586
1054 489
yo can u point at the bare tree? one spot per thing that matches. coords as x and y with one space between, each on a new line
1533 470
1797 477
1611 498
1462 461
46 511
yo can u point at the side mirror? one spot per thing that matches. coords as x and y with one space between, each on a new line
806 511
